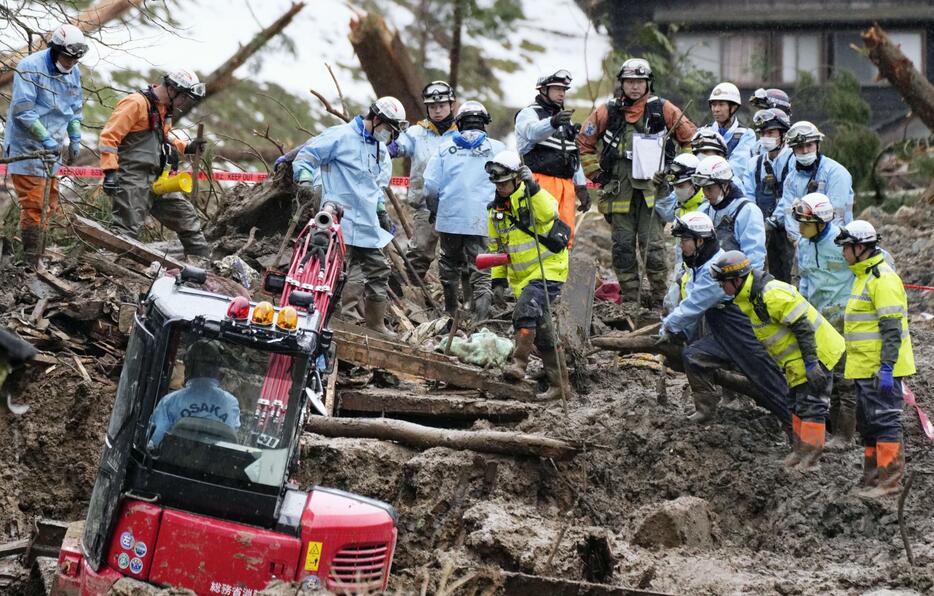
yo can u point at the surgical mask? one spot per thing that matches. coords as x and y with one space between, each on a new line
808 229
382 135
684 193
62 69
769 143
806 159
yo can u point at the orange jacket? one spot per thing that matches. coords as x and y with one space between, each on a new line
130 115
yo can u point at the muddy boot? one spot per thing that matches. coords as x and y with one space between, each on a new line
376 316
890 461
794 458
30 238
481 307
870 470
705 407
553 372
450 299
467 291
515 370
812 444
844 430
352 301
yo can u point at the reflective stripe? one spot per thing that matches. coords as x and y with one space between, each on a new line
890 310
862 336
23 106
863 297
860 316
787 352
780 335
551 143
106 149
524 266
796 312
816 323
760 325
514 248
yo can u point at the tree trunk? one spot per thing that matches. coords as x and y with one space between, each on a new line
913 86
89 20
455 53
266 206
386 62
426 437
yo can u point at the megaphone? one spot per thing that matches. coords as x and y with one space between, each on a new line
488 260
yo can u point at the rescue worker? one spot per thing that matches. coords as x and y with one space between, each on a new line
419 143
812 172
706 142
801 341
136 146
457 192
724 102
545 137
353 163
627 202
45 107
520 210
765 175
879 356
766 99
737 220
201 397
825 282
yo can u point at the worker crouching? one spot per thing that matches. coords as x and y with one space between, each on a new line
521 213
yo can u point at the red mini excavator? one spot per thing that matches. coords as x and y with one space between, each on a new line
195 487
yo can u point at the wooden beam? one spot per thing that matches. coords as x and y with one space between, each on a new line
391 403
426 437
913 86
96 234
370 351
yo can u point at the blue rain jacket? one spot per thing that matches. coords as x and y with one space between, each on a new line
753 177
703 292
748 226
419 143
830 178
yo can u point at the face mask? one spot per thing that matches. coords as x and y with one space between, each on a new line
382 135
808 229
715 200
684 193
62 69
806 159
769 143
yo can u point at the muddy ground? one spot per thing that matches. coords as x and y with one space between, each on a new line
753 529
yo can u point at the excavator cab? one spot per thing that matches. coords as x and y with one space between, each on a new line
194 488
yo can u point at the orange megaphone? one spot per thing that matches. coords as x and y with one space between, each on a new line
487 260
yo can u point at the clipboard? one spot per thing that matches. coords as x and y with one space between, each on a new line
646 155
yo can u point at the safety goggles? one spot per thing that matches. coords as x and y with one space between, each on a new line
701 181
437 92
196 91
763 116
498 172
802 213
75 50
562 77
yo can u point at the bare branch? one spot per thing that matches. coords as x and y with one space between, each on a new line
328 107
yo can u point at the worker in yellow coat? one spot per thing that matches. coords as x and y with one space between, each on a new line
524 224
798 338
878 356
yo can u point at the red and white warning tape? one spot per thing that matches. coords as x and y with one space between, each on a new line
926 424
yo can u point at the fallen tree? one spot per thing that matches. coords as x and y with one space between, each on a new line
913 86
426 437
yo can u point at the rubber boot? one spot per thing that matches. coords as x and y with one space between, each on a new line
481 307
467 291
30 238
890 461
450 299
376 316
553 372
870 470
844 430
705 407
794 458
352 301
812 445
515 370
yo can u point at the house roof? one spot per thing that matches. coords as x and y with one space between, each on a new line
720 13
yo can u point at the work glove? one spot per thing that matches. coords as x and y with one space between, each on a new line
885 380
393 149
306 195
773 223
562 118
816 375
110 182
601 178
195 146
525 173
49 144
660 178
279 161
583 198
666 336
432 217
385 222
74 149
171 157
499 292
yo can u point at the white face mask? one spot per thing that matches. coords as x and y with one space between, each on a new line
806 159
62 69
769 143
382 135
684 193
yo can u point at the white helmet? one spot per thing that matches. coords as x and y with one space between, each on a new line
802 133
186 81
725 92
635 68
858 231
504 166
390 110
69 40
813 208
694 223
683 167
713 169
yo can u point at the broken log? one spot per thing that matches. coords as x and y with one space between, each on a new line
96 234
266 206
386 62
913 86
393 403
372 352
425 437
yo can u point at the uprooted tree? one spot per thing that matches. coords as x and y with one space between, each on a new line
913 86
